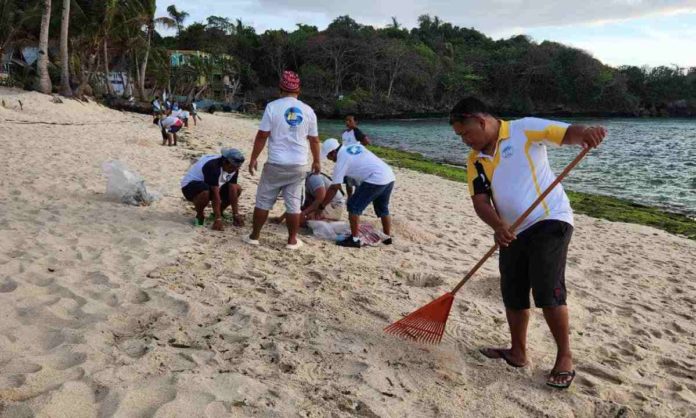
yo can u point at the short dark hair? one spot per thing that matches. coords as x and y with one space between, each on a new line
466 108
350 115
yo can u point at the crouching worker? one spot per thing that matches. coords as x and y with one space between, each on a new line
376 181
316 187
170 125
213 178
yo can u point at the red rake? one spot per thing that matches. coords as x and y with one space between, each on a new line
427 324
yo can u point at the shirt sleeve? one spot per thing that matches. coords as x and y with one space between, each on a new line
315 182
545 131
265 124
477 178
211 173
359 135
340 169
313 126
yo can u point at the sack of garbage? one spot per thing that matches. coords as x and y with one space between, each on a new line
335 231
126 185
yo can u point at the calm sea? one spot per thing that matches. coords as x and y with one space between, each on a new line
648 161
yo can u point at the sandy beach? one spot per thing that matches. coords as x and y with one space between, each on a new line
109 310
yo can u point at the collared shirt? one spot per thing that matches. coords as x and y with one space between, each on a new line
518 172
208 169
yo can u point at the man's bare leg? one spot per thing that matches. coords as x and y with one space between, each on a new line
293 223
386 225
260 217
558 322
354 223
201 202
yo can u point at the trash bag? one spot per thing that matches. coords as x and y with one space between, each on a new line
328 230
125 185
336 231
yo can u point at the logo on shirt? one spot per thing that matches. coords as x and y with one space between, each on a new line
507 151
354 150
293 116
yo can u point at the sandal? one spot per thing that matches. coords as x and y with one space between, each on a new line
566 385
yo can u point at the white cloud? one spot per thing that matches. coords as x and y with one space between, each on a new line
495 16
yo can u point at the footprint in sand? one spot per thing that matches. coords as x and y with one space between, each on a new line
7 285
423 280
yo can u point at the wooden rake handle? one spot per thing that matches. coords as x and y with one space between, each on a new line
522 217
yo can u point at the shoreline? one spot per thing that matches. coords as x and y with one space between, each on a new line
594 205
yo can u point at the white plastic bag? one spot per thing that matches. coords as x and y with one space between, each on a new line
126 185
335 231
328 230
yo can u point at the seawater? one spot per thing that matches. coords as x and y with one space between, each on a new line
647 161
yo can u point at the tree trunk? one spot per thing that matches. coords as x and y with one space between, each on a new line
109 87
143 68
45 85
65 88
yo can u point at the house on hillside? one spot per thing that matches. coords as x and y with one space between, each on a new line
215 71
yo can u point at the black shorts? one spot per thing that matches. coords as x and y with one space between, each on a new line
536 260
195 188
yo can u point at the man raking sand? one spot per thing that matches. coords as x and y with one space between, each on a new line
507 170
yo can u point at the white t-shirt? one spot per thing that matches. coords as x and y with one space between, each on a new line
170 121
207 169
352 137
290 122
357 162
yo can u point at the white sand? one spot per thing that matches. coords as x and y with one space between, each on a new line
112 310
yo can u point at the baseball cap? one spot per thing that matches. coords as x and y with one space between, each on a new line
329 145
233 155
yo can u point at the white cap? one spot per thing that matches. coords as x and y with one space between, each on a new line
329 145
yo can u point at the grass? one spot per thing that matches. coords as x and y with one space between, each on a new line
604 207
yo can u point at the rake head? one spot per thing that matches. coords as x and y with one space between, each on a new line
427 324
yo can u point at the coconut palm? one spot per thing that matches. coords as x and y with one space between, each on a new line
65 89
146 17
178 16
45 85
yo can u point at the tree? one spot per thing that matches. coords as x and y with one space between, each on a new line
179 16
64 57
146 17
45 85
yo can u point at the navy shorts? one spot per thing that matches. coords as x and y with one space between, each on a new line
536 261
194 188
368 193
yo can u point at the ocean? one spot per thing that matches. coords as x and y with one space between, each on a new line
647 161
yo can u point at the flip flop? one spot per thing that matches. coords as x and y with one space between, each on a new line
197 222
561 374
499 353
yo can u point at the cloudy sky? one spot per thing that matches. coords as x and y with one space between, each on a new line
636 32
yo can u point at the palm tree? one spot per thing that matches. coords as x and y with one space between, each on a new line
45 85
178 16
64 57
148 20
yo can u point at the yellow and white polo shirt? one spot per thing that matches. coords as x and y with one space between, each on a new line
519 171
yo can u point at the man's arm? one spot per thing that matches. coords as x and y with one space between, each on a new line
259 145
361 137
329 196
315 146
486 211
585 136
319 196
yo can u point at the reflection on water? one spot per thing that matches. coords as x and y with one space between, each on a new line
648 161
